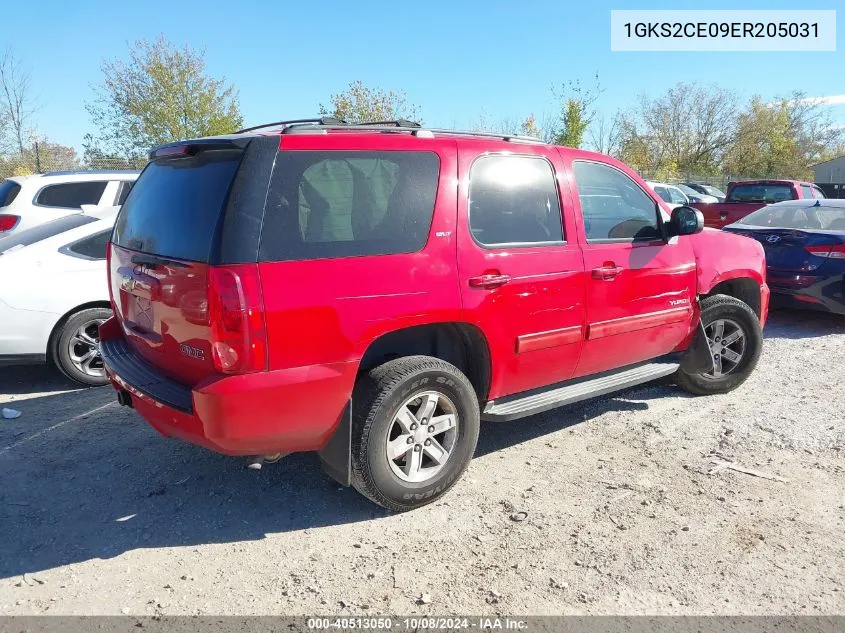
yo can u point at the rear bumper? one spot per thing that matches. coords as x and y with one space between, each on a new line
824 293
262 413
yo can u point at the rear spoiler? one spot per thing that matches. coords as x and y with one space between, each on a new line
195 146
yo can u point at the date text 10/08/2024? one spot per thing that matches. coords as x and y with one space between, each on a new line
417 624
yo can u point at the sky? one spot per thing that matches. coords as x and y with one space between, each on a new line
456 60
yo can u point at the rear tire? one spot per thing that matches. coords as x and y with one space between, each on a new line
76 347
415 423
726 319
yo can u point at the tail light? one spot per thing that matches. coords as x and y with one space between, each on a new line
828 251
236 316
8 221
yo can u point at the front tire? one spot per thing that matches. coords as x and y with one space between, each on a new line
736 342
415 423
76 350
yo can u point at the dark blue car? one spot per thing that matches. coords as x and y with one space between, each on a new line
804 242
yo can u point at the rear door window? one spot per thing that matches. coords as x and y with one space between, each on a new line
348 204
513 200
71 195
176 205
9 190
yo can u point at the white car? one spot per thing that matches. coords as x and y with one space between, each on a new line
54 294
670 194
26 201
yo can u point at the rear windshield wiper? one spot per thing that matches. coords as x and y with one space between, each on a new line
155 260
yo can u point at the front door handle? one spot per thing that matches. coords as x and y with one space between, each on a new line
489 281
607 273
723 215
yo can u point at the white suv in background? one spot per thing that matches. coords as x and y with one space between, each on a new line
27 201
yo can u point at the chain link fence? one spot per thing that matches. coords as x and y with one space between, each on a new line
32 163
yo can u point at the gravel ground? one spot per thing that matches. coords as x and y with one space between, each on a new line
627 509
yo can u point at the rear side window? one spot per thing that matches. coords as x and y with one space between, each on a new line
762 193
348 204
176 205
513 200
93 247
124 188
9 190
818 193
613 205
43 231
806 191
71 195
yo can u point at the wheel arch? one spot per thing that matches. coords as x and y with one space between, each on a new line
746 289
462 344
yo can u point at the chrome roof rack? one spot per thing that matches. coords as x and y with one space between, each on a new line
322 124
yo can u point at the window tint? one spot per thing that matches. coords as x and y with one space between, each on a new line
176 205
513 200
43 231
123 190
93 247
677 197
761 193
614 207
347 204
792 216
663 193
71 195
713 191
8 192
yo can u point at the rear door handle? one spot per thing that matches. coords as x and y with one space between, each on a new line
489 281
723 215
607 272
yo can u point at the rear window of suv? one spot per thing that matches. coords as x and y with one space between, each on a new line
175 206
326 204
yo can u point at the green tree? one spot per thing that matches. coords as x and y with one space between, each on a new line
160 94
576 111
782 139
360 103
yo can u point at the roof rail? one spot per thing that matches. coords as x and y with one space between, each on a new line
404 123
325 120
397 125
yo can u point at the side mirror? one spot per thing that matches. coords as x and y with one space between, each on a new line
685 221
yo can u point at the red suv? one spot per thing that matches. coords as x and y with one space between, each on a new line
372 292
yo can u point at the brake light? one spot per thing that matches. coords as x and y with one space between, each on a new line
828 251
8 221
236 316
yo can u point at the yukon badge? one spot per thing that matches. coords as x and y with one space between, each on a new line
193 352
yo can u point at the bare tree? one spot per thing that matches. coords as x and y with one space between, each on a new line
606 134
687 130
18 103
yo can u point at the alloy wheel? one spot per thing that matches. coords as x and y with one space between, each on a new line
422 436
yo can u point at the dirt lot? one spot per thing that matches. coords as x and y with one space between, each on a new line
625 510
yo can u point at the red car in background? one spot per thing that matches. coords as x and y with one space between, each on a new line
749 195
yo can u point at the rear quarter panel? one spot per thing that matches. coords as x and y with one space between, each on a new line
328 311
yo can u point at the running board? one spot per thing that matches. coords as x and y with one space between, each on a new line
537 401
